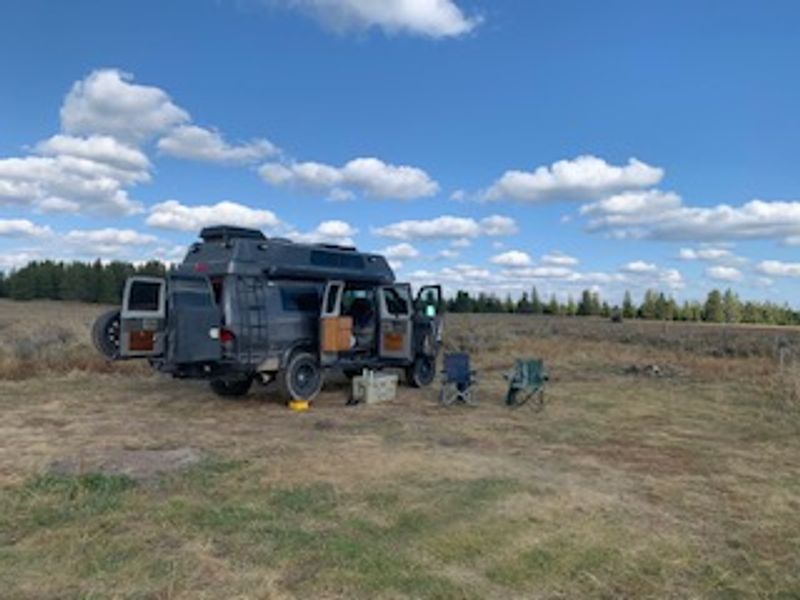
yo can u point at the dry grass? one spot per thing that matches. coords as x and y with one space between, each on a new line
685 485
45 338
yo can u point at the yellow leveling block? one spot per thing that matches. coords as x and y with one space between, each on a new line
299 405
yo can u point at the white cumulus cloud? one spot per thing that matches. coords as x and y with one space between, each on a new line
110 236
403 251
659 215
105 243
640 266
22 228
512 258
777 268
429 18
174 215
447 227
559 259
583 178
369 176
723 273
68 183
131 162
328 232
198 143
108 102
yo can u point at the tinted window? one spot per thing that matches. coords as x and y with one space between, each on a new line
144 296
340 260
396 301
190 293
333 293
300 299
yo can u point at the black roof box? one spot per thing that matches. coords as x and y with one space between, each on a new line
225 233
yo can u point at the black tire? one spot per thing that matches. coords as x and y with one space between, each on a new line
301 378
231 388
422 372
106 332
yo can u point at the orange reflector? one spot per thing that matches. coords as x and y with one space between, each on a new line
141 341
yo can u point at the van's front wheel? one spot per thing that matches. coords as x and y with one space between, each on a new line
422 372
231 388
301 379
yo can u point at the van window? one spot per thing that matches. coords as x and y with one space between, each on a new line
397 302
193 293
144 296
300 299
342 260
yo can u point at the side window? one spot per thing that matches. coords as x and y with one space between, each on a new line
300 299
330 304
397 301
144 296
352 297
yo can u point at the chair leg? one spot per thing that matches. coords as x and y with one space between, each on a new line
448 395
472 396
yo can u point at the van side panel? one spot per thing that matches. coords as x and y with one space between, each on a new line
268 318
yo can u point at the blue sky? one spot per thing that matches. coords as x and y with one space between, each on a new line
486 145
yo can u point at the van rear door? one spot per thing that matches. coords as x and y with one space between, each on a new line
143 318
194 320
396 310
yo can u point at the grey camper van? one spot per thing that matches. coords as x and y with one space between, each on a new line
243 307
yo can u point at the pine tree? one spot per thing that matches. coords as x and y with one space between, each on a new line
570 310
713 311
731 307
537 307
585 305
524 305
553 307
648 308
628 309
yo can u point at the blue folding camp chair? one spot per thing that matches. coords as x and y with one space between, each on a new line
458 383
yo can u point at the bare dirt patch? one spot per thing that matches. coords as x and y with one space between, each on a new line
140 465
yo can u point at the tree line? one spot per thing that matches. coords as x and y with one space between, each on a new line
718 307
103 283
83 282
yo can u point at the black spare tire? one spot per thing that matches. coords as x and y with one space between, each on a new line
106 332
301 379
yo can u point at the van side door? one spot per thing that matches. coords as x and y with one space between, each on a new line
429 308
334 337
396 311
143 318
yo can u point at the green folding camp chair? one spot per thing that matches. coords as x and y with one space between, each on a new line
526 382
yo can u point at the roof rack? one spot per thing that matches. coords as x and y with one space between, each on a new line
225 233
337 247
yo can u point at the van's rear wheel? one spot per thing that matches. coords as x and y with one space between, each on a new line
422 372
301 379
231 388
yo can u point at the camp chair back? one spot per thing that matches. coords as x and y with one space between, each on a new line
458 381
526 381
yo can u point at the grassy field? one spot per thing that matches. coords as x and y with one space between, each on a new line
627 485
